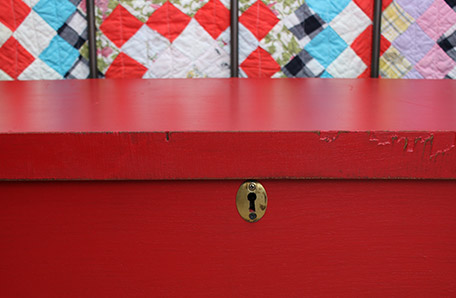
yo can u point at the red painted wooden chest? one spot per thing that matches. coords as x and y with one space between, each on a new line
128 188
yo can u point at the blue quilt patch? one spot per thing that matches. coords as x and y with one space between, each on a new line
59 55
326 46
55 12
327 9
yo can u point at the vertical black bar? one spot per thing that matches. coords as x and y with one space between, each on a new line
376 34
234 29
91 30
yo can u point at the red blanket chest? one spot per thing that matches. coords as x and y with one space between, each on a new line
128 188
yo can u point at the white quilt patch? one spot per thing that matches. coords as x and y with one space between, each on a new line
347 65
5 33
194 40
172 63
350 23
145 46
39 70
34 34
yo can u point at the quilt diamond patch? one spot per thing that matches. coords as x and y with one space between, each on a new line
326 46
260 64
393 64
169 21
305 24
73 31
120 18
214 17
59 55
407 41
328 9
14 58
350 23
395 21
259 19
38 70
347 65
55 12
80 69
125 67
5 34
436 64
194 41
34 34
435 28
303 65
145 45
13 13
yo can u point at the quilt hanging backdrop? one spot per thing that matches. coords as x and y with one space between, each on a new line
43 39
163 39
190 38
46 39
313 38
421 39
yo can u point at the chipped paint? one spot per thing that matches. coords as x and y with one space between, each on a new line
444 151
412 143
329 137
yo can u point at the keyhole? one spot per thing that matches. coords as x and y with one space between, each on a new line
251 197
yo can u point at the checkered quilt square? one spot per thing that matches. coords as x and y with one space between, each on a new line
305 24
394 65
448 42
303 65
80 69
74 31
395 21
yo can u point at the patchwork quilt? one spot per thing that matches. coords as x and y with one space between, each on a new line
163 39
313 38
43 39
420 37
46 39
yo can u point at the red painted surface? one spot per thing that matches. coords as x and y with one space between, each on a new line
223 155
319 237
227 105
370 238
227 129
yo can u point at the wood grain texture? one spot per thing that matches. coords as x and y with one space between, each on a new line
319 238
227 155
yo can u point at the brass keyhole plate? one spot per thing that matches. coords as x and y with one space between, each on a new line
251 201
